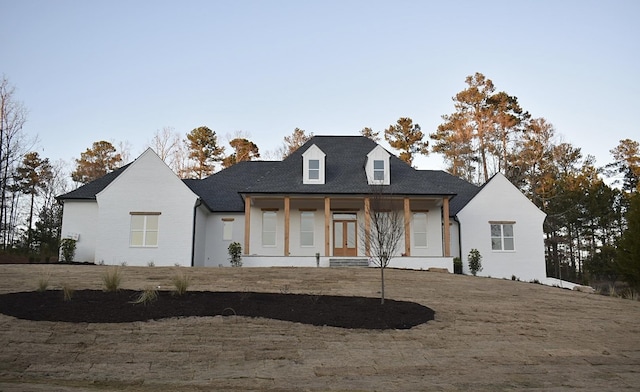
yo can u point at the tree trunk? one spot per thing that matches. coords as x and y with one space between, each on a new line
382 285
29 229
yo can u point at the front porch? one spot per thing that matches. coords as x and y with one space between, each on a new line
339 226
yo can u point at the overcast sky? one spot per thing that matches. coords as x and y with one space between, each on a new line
120 70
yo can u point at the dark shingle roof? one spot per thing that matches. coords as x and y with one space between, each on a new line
221 191
344 171
344 174
90 190
465 191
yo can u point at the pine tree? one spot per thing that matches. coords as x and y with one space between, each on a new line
406 137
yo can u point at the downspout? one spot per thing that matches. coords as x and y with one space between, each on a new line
455 218
193 231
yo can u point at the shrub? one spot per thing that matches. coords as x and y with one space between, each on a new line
457 265
181 283
151 264
146 297
235 251
68 247
475 261
112 279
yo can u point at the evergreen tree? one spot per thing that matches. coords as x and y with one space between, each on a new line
407 137
628 253
204 151
95 162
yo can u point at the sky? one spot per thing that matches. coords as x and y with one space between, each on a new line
121 70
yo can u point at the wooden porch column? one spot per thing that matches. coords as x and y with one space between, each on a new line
247 223
286 225
327 223
407 227
367 226
446 229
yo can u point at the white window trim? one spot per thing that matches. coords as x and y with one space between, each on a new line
502 237
227 229
426 232
313 234
275 230
144 230
375 171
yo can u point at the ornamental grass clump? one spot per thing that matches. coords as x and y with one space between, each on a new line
43 280
67 292
112 279
181 283
146 297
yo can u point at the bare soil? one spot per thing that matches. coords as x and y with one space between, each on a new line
487 335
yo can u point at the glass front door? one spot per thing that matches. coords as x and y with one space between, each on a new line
345 235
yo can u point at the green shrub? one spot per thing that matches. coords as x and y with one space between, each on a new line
112 279
235 252
181 283
68 247
475 261
457 265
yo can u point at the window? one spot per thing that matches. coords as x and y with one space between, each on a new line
307 222
502 236
314 169
420 229
227 230
144 229
269 228
378 170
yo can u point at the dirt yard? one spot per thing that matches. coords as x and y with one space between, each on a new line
488 334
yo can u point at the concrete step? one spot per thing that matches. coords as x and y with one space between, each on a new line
348 262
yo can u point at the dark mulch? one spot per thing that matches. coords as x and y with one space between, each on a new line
93 306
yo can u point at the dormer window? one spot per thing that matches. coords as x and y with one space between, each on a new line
377 167
313 165
314 169
378 170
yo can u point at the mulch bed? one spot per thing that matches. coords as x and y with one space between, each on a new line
94 306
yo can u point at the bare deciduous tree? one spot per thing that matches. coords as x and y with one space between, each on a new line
166 143
383 229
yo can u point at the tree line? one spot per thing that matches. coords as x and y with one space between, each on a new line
589 209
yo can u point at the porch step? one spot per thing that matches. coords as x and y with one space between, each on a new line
348 263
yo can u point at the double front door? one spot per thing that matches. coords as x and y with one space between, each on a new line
345 230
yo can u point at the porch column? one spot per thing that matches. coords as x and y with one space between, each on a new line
367 226
446 229
327 223
407 227
247 223
286 225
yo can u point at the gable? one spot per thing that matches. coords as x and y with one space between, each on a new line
501 197
148 171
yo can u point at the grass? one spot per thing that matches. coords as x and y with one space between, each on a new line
67 292
112 279
43 280
146 297
181 283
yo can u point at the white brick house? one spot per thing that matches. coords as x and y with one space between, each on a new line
312 203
